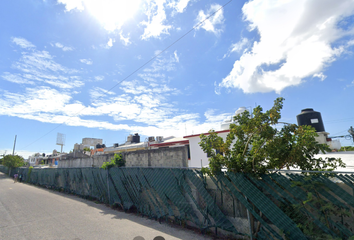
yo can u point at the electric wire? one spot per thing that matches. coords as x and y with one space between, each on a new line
340 120
139 68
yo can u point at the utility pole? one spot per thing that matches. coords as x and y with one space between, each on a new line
13 151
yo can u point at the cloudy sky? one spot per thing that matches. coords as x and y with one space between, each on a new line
109 68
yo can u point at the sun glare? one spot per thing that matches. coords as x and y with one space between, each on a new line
112 13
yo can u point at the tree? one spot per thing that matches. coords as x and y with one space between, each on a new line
13 161
254 144
117 160
87 149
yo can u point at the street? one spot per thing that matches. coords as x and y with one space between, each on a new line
32 213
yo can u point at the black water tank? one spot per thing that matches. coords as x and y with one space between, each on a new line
116 145
98 145
136 138
310 117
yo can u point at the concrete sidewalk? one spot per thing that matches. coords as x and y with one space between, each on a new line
32 213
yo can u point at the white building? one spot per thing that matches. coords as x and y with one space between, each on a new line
198 158
35 159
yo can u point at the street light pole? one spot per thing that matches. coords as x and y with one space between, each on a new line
13 151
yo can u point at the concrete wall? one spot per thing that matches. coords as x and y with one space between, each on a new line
98 160
163 157
75 163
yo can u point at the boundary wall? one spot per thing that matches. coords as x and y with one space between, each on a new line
162 157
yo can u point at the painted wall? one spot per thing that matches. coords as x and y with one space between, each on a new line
198 157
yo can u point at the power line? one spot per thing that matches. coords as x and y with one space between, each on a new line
139 68
340 120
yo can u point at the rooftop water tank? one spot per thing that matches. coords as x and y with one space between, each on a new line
310 117
225 125
240 110
136 138
130 138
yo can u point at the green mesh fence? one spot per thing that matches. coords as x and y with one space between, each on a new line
281 206
4 169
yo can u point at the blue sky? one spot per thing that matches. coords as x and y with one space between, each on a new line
64 66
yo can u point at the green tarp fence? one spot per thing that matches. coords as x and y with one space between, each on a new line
281 206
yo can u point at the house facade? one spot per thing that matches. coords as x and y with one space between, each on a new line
198 158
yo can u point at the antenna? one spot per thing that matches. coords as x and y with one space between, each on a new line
61 140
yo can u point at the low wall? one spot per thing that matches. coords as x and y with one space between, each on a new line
75 163
163 157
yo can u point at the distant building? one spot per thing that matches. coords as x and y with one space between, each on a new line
87 143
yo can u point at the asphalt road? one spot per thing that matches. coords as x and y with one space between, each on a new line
29 212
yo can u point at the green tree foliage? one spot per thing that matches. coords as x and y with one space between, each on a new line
346 148
13 161
254 144
87 149
325 210
117 161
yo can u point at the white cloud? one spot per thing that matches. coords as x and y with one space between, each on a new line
15 78
163 64
133 87
98 92
214 23
86 61
39 66
145 103
296 41
99 78
350 85
22 42
113 14
125 40
176 56
109 43
155 25
72 4
39 60
149 113
179 6
320 76
237 47
64 48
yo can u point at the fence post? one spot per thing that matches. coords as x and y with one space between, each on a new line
109 196
249 221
